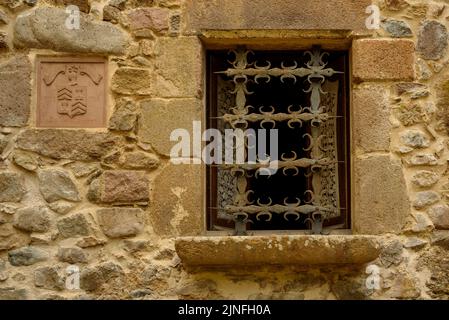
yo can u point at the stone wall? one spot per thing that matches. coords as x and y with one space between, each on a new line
109 201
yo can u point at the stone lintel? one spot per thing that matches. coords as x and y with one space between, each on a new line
279 14
278 39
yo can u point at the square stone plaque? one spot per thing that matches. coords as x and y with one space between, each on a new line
71 92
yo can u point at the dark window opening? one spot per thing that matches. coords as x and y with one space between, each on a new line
280 90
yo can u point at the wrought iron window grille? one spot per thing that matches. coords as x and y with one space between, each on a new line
321 156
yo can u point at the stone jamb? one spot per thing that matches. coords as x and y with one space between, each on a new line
385 65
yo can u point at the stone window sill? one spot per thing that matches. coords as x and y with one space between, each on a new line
277 250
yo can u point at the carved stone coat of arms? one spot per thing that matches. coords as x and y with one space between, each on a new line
71 93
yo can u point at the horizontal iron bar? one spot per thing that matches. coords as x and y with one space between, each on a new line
278 208
254 117
299 163
278 72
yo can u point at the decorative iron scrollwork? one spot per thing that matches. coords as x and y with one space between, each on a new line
322 165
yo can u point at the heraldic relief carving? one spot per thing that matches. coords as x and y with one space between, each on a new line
71 93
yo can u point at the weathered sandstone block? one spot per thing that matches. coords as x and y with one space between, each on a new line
15 95
128 80
260 250
382 204
380 59
277 14
178 68
371 124
177 208
160 117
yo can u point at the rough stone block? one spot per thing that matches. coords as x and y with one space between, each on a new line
139 161
124 117
27 256
155 19
121 187
440 216
169 3
397 28
424 199
73 226
10 238
83 5
13 294
3 17
48 278
432 40
3 42
121 222
89 242
381 203
380 59
26 160
32 219
111 13
4 140
425 179
56 184
12 188
94 277
72 255
68 144
45 28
